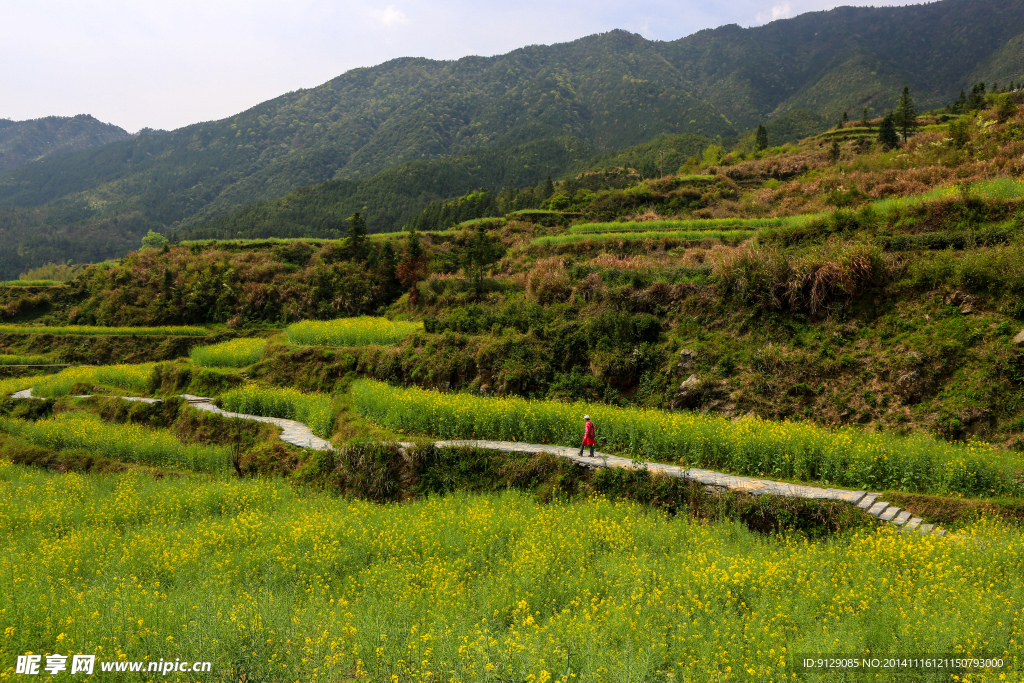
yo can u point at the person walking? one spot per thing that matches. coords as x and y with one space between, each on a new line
588 436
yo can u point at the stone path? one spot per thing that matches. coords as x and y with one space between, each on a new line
298 434
716 481
295 433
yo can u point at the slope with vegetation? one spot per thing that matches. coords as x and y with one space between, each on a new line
860 286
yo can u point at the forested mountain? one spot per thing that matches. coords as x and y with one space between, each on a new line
374 126
24 141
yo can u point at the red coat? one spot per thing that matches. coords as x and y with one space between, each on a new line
588 434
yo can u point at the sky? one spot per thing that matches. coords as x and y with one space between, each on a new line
167 64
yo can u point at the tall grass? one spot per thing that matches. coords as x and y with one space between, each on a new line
315 410
125 442
752 446
88 330
272 584
132 377
350 331
236 353
674 235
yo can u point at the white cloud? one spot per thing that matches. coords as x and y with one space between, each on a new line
782 10
390 16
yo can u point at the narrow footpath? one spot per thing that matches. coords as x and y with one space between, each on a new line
299 434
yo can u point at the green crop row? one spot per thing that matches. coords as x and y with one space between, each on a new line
691 225
135 377
88 330
350 331
125 442
675 235
751 446
26 360
236 353
30 283
315 410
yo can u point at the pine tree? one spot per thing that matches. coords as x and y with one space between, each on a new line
976 100
905 115
835 152
960 106
761 138
864 118
887 135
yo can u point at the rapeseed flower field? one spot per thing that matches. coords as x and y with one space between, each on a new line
350 331
273 584
126 442
315 410
753 446
235 353
132 377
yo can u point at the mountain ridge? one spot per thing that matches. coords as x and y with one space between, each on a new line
610 91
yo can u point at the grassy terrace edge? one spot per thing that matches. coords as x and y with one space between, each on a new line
676 235
750 446
90 330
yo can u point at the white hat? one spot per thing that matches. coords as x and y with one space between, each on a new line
586 417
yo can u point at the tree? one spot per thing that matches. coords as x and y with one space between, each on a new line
864 118
549 187
906 115
960 106
355 236
1007 107
761 138
887 135
154 240
835 152
976 100
482 251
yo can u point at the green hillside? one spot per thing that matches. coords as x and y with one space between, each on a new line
22 142
608 91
